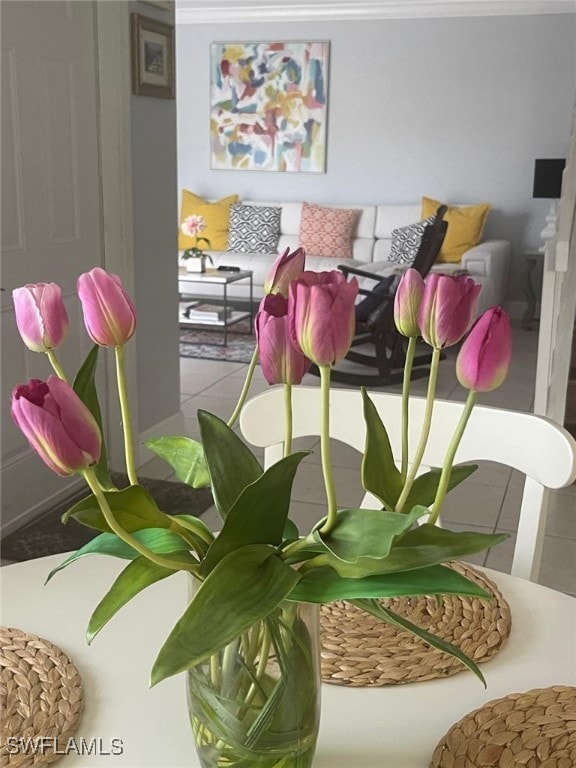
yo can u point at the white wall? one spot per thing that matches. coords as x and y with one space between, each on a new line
453 108
155 200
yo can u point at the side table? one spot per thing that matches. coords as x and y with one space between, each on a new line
531 258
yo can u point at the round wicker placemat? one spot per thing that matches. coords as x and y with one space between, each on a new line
536 729
359 650
40 696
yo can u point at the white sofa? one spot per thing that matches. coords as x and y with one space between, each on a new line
487 263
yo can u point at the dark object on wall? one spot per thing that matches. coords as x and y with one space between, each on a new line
548 179
152 57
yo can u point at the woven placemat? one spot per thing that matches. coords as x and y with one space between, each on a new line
359 650
536 729
40 696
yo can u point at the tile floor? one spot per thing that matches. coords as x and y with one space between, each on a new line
488 501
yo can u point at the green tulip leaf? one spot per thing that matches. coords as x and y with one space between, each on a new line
158 540
195 526
132 507
324 585
242 589
423 546
291 532
364 537
185 456
259 514
137 575
424 489
377 610
231 464
380 476
85 387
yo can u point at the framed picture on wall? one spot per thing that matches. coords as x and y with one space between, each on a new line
152 57
268 108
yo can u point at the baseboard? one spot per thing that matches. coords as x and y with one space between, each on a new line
73 489
173 425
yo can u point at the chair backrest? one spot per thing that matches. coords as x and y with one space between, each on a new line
432 240
535 446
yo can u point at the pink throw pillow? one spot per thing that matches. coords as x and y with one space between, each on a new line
327 231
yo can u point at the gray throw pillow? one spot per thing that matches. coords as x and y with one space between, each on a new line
253 228
406 241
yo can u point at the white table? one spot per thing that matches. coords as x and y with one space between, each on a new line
395 726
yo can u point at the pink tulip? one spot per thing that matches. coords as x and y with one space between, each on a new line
321 315
407 303
281 362
447 309
57 424
287 267
484 358
109 314
41 316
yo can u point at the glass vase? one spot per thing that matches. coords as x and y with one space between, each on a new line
256 703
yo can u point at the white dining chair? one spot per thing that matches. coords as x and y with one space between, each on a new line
540 449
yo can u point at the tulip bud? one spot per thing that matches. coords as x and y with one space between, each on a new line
484 358
109 314
321 315
407 303
447 308
281 362
41 316
57 424
287 267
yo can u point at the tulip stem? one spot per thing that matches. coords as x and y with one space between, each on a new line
427 422
325 450
288 419
59 371
244 394
442 489
125 410
410 352
90 477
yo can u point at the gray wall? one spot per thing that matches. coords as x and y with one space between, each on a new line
155 201
453 108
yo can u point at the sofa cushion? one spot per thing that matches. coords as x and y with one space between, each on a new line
253 229
327 231
406 241
216 215
465 225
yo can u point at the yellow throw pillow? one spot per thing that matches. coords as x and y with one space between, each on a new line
465 225
217 218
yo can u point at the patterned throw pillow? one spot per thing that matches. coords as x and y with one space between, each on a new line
253 228
406 241
327 231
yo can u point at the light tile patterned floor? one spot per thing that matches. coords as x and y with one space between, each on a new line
487 502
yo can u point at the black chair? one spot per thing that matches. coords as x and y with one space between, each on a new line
375 326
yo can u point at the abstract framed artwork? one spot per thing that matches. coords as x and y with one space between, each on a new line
269 106
152 57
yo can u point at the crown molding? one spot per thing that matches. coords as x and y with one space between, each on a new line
250 11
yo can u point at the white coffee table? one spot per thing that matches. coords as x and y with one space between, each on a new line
187 281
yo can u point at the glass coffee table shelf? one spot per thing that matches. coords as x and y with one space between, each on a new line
221 317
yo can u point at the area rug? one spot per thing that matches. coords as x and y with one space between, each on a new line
207 344
47 535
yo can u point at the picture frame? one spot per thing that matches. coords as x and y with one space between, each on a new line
268 105
153 65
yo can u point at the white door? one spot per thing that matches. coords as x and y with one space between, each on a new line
558 306
51 204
